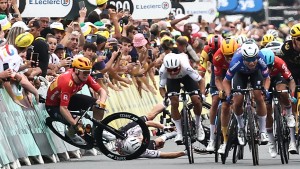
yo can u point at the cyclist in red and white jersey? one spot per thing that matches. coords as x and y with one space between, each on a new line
280 77
62 97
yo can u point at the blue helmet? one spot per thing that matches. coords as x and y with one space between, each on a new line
269 55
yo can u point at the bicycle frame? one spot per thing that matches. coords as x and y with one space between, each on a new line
84 113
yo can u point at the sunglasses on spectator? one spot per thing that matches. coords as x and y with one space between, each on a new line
250 59
173 70
85 72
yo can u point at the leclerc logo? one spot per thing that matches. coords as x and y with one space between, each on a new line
165 5
45 2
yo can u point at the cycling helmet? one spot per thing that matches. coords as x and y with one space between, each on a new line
269 55
82 63
273 32
275 47
295 30
249 49
24 40
266 39
229 46
215 42
172 61
241 39
131 145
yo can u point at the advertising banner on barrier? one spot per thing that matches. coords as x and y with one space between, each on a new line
22 141
37 128
227 5
140 9
45 8
196 8
6 154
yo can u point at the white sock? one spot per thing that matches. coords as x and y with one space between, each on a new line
292 134
271 135
178 126
212 132
240 120
198 120
262 123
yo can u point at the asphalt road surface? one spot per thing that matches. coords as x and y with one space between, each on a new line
203 161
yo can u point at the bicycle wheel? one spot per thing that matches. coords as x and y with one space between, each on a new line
240 153
187 134
286 139
252 141
233 135
218 133
59 128
231 143
279 138
131 127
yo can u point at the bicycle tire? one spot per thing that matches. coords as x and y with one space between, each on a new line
240 153
114 119
252 143
231 143
218 133
54 125
280 144
187 135
286 140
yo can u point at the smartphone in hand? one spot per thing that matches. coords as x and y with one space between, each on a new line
199 18
81 4
115 48
105 12
34 58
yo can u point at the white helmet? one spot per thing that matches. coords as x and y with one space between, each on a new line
172 60
273 32
131 145
249 49
241 39
275 46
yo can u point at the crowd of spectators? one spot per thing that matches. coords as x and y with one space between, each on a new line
124 50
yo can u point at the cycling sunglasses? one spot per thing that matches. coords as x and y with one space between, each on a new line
85 72
173 70
250 59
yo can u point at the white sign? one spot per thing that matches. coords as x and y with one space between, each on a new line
208 10
47 8
154 9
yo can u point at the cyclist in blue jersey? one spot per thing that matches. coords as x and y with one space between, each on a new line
248 64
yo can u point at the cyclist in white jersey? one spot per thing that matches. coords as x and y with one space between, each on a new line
176 69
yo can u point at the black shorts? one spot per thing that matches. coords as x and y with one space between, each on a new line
240 80
77 102
278 79
173 85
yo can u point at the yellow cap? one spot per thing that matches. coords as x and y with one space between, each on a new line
103 33
100 2
24 40
165 38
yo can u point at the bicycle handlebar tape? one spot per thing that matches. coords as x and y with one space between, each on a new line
193 54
